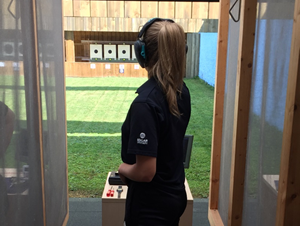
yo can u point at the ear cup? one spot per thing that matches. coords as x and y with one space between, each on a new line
140 46
140 52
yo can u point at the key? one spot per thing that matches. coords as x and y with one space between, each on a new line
109 192
112 193
119 190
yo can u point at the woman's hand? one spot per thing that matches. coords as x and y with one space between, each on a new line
122 177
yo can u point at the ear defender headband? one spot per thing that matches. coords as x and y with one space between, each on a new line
140 46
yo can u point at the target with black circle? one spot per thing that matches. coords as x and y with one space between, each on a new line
8 49
110 52
95 52
123 52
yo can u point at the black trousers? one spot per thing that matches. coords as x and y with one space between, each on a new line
150 206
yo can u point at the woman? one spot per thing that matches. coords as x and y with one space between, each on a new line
153 131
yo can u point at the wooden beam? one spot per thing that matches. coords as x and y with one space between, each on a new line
66 137
66 218
214 217
220 79
69 46
241 111
34 130
288 202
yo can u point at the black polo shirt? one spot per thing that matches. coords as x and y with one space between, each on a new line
151 130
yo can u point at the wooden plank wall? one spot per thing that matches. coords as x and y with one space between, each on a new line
89 69
82 49
91 15
192 57
104 36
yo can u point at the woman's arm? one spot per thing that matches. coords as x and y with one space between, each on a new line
142 171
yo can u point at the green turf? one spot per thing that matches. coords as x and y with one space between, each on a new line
96 109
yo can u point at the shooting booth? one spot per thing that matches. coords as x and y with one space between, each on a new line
33 148
255 157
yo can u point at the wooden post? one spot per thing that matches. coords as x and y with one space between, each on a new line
192 57
241 111
70 48
218 104
34 130
288 201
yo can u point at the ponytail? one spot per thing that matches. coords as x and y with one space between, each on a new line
166 54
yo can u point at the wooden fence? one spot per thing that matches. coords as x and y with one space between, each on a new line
90 69
128 16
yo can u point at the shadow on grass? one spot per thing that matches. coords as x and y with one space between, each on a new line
89 161
98 88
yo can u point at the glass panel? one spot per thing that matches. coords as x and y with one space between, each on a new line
229 96
267 106
50 38
21 159
20 165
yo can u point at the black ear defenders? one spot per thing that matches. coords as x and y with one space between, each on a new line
140 46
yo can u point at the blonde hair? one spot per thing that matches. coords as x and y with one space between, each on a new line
166 54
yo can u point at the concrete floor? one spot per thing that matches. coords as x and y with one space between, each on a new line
88 212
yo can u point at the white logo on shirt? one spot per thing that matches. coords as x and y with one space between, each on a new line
141 140
142 135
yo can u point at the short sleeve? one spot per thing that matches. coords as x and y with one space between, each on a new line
144 127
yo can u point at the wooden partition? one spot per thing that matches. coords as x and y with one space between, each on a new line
241 113
214 216
288 200
90 69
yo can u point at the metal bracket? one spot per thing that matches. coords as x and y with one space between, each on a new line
11 13
239 14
